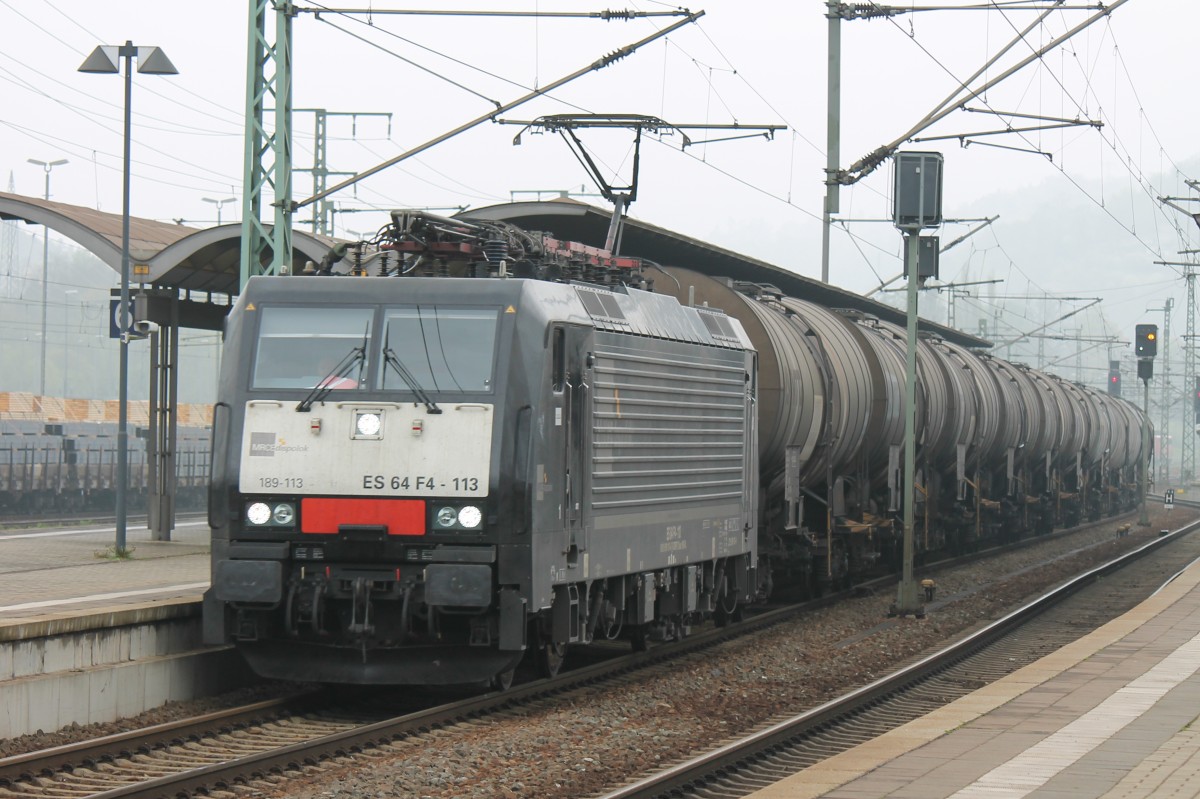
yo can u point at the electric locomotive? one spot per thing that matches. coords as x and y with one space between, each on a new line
418 476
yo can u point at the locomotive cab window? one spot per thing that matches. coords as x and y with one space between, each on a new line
440 348
306 347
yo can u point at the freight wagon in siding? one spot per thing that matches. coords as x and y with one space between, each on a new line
71 466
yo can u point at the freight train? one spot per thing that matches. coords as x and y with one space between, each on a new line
485 443
71 467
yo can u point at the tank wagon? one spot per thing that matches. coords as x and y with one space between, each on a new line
1002 450
420 478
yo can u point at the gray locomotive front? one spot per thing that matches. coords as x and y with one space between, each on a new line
419 479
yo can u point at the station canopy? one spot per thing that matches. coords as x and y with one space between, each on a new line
162 254
179 260
572 220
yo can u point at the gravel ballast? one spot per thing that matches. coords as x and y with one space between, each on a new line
605 735
602 735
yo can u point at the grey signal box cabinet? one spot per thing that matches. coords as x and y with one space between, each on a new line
928 249
917 195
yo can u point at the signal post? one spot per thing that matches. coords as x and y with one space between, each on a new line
1145 346
917 204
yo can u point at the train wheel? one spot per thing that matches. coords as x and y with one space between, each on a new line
504 680
680 630
550 658
639 639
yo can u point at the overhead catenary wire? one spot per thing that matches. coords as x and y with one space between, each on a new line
430 50
1125 162
73 148
411 63
235 114
227 179
780 198
600 63
1038 51
453 60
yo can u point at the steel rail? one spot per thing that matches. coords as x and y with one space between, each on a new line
729 756
272 761
98 750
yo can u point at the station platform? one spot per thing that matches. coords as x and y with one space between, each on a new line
86 638
1110 715
64 574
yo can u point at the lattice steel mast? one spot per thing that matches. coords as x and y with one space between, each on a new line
268 156
1187 466
1163 457
1187 463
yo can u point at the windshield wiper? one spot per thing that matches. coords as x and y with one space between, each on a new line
390 358
355 357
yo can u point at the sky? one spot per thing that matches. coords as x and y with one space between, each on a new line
1077 206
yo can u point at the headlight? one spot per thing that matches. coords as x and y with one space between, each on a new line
452 517
271 515
367 423
258 513
470 517
284 514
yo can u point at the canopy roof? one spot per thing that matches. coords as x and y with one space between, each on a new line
174 256
572 220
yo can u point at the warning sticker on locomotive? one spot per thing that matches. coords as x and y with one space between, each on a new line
367 449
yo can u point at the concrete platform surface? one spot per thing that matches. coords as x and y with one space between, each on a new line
65 572
86 638
1110 715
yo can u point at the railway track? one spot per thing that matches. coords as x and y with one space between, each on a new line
271 737
786 745
262 741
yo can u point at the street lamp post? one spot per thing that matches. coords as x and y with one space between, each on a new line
151 61
46 166
67 338
219 203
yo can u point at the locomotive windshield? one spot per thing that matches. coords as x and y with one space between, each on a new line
298 347
444 349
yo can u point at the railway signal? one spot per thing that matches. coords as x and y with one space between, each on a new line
1145 345
1145 341
1114 378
